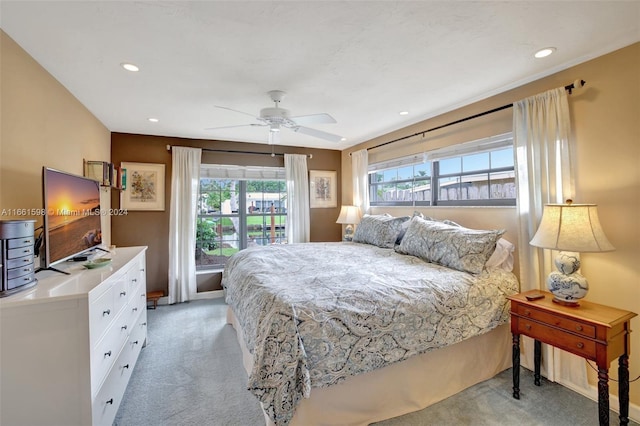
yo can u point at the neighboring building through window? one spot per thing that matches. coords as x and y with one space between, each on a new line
234 214
479 173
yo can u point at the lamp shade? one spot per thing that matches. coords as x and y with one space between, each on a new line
349 215
571 227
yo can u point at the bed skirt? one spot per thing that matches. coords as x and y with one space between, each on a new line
400 388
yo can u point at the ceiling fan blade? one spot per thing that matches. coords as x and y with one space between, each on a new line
322 118
240 112
317 133
240 125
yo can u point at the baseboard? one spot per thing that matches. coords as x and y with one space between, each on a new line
215 294
614 402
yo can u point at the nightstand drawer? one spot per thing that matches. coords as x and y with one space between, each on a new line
558 338
553 320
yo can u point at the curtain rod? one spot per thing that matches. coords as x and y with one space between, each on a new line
569 87
232 151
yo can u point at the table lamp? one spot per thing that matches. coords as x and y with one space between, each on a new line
570 228
349 215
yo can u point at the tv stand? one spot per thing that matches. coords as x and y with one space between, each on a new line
69 346
50 268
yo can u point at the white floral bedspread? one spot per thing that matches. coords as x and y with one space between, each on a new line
314 314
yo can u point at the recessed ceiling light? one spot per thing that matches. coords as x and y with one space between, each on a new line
153 120
130 67
343 139
404 112
543 53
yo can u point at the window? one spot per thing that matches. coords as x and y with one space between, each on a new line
234 214
402 186
479 173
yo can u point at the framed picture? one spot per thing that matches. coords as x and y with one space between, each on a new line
322 191
143 187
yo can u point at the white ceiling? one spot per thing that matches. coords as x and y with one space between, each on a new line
360 61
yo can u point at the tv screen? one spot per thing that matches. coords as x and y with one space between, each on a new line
72 215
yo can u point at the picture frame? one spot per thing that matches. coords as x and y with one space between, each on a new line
323 189
143 188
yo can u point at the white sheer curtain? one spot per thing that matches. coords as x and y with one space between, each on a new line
185 178
545 175
298 222
360 176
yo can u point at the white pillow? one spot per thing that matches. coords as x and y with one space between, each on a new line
502 257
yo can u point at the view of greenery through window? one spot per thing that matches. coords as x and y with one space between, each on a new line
486 178
236 214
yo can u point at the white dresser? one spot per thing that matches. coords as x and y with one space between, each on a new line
69 344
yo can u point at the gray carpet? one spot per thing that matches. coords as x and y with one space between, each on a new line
191 373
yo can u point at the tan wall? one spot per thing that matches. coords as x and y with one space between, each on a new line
42 124
606 127
151 228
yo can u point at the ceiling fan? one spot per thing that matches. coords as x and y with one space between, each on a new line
277 118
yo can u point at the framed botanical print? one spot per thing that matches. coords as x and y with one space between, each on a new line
322 189
144 188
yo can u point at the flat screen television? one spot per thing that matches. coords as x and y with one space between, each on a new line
72 216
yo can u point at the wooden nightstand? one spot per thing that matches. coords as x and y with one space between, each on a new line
595 332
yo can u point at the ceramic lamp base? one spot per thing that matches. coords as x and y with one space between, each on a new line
568 286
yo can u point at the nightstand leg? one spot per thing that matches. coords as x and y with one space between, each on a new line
623 388
603 396
516 366
537 351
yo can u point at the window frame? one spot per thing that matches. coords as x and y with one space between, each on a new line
488 145
242 213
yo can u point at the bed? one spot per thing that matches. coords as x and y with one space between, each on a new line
356 332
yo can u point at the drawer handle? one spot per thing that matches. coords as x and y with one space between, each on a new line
142 270
580 345
106 354
26 260
135 343
144 324
134 280
123 293
527 312
135 309
124 327
110 401
125 366
107 312
527 326
26 279
26 241
579 328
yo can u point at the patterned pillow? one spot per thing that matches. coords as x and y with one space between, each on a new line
457 247
379 230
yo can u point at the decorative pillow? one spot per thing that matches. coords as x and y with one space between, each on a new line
502 257
456 247
379 230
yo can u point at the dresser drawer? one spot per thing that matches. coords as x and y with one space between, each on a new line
18 272
23 280
19 242
105 353
563 323
22 261
558 338
102 312
20 252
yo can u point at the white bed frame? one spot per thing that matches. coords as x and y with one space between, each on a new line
400 388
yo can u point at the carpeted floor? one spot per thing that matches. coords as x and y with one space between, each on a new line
191 373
